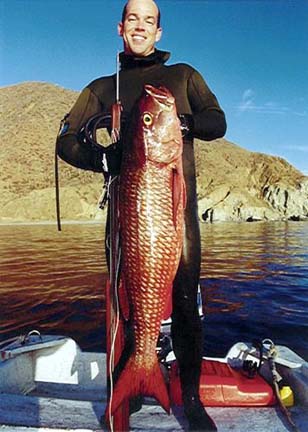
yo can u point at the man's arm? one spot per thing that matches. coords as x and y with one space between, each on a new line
70 145
208 118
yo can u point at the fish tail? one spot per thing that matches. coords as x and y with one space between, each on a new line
136 380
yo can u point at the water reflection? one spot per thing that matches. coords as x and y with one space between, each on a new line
254 251
254 283
53 281
253 280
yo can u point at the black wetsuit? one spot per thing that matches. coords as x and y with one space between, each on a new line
197 102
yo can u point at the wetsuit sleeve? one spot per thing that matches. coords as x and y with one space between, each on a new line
209 118
70 145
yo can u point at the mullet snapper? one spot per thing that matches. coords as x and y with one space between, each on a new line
152 201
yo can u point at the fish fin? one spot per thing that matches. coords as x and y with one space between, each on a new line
135 380
123 299
178 193
184 195
168 307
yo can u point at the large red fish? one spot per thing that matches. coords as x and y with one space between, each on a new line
152 200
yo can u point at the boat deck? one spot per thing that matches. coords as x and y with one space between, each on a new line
85 415
50 385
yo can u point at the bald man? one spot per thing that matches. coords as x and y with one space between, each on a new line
201 117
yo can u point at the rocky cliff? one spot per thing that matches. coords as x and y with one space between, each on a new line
233 183
237 185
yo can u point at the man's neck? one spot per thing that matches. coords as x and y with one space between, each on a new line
129 61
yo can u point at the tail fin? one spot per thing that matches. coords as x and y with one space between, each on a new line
135 380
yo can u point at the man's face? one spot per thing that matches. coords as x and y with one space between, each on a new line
139 29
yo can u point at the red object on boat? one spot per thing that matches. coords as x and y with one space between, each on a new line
220 385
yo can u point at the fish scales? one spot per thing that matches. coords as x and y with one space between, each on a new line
153 263
152 203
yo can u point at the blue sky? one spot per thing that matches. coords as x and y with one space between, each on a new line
252 53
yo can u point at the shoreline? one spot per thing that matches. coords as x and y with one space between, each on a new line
64 222
103 222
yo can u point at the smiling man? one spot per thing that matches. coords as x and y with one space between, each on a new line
201 117
140 27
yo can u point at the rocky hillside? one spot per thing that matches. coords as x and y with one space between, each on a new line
30 117
239 185
233 183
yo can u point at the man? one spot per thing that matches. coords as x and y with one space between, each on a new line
202 117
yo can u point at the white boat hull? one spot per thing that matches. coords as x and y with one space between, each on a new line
52 384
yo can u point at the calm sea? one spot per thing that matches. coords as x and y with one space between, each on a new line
254 283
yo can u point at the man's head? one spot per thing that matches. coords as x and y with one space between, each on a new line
140 27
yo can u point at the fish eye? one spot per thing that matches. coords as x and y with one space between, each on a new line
147 119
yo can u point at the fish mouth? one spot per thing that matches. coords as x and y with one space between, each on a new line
161 95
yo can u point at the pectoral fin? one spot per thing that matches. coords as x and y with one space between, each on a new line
178 194
123 299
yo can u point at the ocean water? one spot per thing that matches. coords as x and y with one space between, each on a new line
254 283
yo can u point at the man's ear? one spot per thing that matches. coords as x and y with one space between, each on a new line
159 33
120 29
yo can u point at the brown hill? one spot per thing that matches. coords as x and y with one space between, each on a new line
30 117
236 184
233 183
